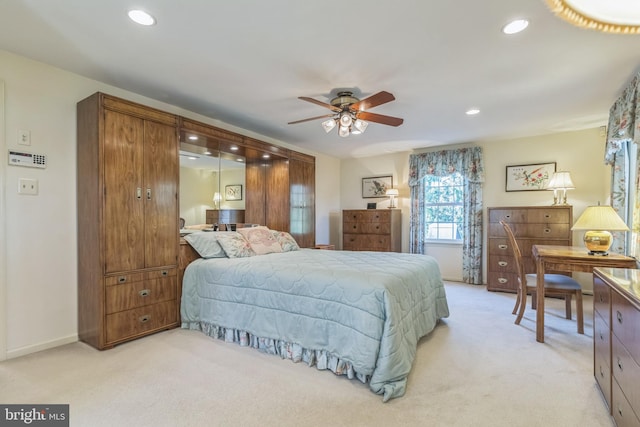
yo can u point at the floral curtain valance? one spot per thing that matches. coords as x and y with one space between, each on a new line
467 161
624 120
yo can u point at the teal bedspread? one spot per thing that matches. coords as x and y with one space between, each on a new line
359 313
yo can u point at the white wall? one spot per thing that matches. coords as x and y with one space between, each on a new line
580 152
40 281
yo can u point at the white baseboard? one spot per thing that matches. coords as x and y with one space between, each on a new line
23 351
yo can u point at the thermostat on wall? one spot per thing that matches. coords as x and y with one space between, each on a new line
20 158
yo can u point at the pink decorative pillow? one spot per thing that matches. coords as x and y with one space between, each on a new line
261 240
234 244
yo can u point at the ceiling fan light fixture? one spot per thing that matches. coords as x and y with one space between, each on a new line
621 16
343 131
345 119
360 125
328 125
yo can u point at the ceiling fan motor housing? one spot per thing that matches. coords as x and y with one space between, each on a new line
344 99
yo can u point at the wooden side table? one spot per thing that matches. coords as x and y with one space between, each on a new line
325 247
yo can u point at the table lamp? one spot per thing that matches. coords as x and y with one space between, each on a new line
392 193
599 221
560 181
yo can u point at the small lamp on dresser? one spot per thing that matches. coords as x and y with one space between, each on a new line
392 193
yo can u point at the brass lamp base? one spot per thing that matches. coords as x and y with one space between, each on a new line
598 242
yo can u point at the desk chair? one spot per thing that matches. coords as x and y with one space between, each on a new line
557 285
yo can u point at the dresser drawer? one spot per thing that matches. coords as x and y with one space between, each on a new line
502 281
602 374
500 246
528 230
369 215
367 228
601 340
625 324
129 323
625 371
549 216
621 410
512 216
366 242
601 298
503 263
138 294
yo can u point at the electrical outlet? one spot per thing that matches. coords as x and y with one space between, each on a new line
24 137
28 186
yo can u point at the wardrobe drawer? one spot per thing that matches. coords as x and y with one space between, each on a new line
601 299
138 294
138 321
602 374
621 410
601 337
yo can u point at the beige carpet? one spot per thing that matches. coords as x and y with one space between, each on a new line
476 369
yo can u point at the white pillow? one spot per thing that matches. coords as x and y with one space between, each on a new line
235 245
286 240
206 243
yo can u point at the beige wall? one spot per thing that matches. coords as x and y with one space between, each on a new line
38 288
580 152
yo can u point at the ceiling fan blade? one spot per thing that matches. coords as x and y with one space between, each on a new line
320 103
311 118
379 118
373 101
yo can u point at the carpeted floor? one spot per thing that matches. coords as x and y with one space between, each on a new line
475 369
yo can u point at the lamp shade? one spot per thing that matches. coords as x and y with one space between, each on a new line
599 221
561 181
392 192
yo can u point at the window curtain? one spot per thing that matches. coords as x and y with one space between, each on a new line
623 130
468 162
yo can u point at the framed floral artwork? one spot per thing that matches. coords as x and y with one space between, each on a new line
534 177
376 186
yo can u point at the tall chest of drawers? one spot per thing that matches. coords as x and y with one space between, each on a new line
616 335
372 230
531 225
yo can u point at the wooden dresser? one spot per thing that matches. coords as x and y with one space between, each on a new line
542 225
372 230
127 191
616 336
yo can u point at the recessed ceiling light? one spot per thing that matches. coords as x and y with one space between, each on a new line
472 112
515 26
234 148
193 137
141 17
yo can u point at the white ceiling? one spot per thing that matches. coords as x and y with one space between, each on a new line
245 62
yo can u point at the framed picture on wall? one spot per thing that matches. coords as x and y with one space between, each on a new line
376 186
233 192
534 177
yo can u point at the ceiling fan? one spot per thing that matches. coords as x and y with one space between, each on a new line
349 112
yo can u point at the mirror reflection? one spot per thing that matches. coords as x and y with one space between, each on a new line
212 187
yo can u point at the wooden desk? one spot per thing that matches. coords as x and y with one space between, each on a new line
568 258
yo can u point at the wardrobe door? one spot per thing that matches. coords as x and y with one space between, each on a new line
160 194
123 200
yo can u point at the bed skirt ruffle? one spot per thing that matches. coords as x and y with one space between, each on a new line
321 359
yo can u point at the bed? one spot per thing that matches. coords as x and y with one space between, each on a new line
358 314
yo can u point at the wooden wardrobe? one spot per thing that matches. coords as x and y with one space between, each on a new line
127 187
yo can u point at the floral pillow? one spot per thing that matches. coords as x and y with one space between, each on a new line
235 245
261 240
206 244
286 240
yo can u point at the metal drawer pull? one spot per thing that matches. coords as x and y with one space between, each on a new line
547 215
502 280
619 316
620 364
503 247
122 279
138 193
507 216
165 273
601 372
144 319
144 292
601 336
620 410
547 230
148 194
503 263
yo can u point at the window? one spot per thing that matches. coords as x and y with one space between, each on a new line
443 207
